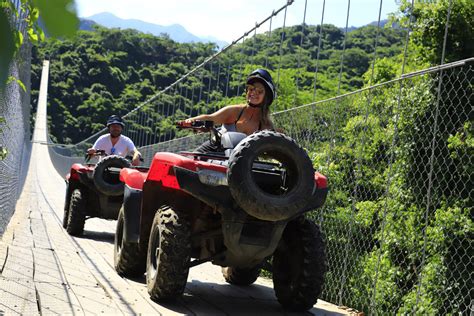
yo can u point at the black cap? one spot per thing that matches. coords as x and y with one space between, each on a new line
115 119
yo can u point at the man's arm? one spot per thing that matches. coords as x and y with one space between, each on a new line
91 151
136 154
136 157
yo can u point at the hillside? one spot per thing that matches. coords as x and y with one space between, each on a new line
112 71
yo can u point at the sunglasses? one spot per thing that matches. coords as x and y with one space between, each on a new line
112 150
253 89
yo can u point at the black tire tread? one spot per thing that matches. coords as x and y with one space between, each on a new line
104 187
245 195
129 261
175 254
301 238
76 213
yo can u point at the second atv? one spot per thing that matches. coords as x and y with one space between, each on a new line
93 190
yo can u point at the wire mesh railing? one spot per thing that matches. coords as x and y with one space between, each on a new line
15 126
398 219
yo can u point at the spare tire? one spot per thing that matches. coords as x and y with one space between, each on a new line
256 200
105 182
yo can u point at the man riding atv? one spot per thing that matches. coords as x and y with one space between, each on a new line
114 143
94 190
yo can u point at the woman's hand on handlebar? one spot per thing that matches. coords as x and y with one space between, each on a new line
186 123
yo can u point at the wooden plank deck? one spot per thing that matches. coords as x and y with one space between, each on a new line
45 271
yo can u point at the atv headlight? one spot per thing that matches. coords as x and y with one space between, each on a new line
211 177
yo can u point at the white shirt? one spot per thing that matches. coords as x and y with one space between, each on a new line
123 146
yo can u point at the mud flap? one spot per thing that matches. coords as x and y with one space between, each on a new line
132 202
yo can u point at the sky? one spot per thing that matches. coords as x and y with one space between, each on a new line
227 20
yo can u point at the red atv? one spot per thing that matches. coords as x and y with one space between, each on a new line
93 190
240 208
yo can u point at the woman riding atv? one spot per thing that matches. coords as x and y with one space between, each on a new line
246 118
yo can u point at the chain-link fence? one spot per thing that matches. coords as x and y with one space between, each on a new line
15 127
398 219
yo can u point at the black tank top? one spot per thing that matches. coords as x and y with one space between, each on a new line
233 127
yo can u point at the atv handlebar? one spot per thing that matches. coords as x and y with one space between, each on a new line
98 152
201 126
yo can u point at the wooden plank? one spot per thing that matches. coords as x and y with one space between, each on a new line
56 298
19 263
198 306
40 237
123 291
35 213
94 300
211 294
261 289
74 269
22 235
47 267
3 254
17 297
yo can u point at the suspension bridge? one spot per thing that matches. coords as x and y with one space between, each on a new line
399 238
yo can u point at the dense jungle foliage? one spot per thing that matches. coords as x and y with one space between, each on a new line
398 221
112 71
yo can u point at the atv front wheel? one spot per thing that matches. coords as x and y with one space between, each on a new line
169 254
76 214
296 183
241 276
129 261
299 264
104 181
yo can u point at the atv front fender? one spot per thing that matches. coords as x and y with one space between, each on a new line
132 202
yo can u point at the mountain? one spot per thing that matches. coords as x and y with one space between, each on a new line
175 31
374 23
86 25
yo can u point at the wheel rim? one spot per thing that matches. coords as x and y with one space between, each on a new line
282 164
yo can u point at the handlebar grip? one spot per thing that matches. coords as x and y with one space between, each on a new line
183 124
195 124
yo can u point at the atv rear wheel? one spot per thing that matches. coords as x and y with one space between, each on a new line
106 183
299 264
297 170
241 276
169 254
129 261
76 214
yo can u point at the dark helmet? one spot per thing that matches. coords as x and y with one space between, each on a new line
115 119
266 79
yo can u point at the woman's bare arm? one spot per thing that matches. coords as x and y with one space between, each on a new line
225 115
